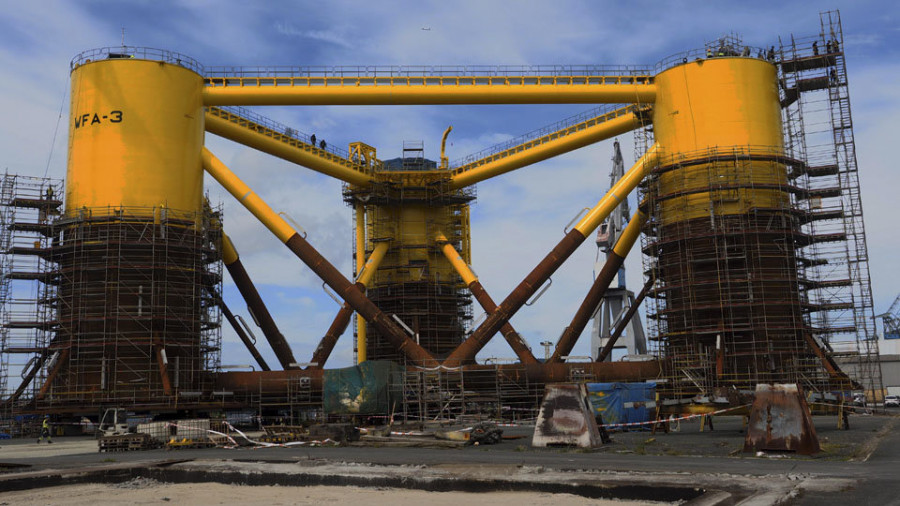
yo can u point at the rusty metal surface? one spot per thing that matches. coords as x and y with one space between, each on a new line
242 335
588 306
508 308
566 418
326 345
780 421
509 333
261 314
617 332
275 382
356 299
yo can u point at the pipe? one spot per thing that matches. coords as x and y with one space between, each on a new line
487 303
361 339
402 92
315 261
28 378
554 146
539 275
342 319
63 357
609 271
445 164
163 369
611 343
307 155
241 334
261 315
276 382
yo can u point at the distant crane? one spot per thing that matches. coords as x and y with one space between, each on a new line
891 320
617 299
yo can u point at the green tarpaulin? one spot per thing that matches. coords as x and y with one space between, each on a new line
371 388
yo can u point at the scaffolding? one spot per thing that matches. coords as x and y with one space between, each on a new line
105 306
818 125
136 320
758 256
29 206
409 204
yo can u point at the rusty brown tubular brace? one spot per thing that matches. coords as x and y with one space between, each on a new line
275 382
537 277
570 335
261 314
617 332
62 359
242 335
27 379
509 333
330 339
357 300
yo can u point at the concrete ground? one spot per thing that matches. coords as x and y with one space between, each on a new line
856 467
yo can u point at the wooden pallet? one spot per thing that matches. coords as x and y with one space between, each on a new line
125 443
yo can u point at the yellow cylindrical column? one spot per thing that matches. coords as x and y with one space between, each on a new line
360 263
725 230
720 107
135 135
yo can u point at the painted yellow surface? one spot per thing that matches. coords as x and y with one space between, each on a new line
412 228
406 92
630 234
455 259
361 339
239 190
371 266
723 108
229 253
542 149
233 127
135 135
618 192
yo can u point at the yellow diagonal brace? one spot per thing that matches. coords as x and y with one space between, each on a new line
619 191
371 266
548 146
301 154
453 256
237 188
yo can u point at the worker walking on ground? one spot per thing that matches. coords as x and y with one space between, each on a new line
45 430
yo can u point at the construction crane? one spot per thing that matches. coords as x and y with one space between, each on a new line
613 311
891 320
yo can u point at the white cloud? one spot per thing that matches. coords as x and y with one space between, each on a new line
530 207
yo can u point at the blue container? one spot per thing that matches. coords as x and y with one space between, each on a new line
623 402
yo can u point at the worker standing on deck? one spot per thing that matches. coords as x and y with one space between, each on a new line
45 430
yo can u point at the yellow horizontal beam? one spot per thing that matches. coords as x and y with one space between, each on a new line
618 192
421 90
241 130
553 144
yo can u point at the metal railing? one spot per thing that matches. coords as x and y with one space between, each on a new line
536 134
428 71
283 129
137 53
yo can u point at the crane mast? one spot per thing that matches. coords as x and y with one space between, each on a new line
617 299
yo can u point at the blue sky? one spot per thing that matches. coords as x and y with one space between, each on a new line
530 206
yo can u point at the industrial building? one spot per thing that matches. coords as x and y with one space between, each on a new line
749 221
